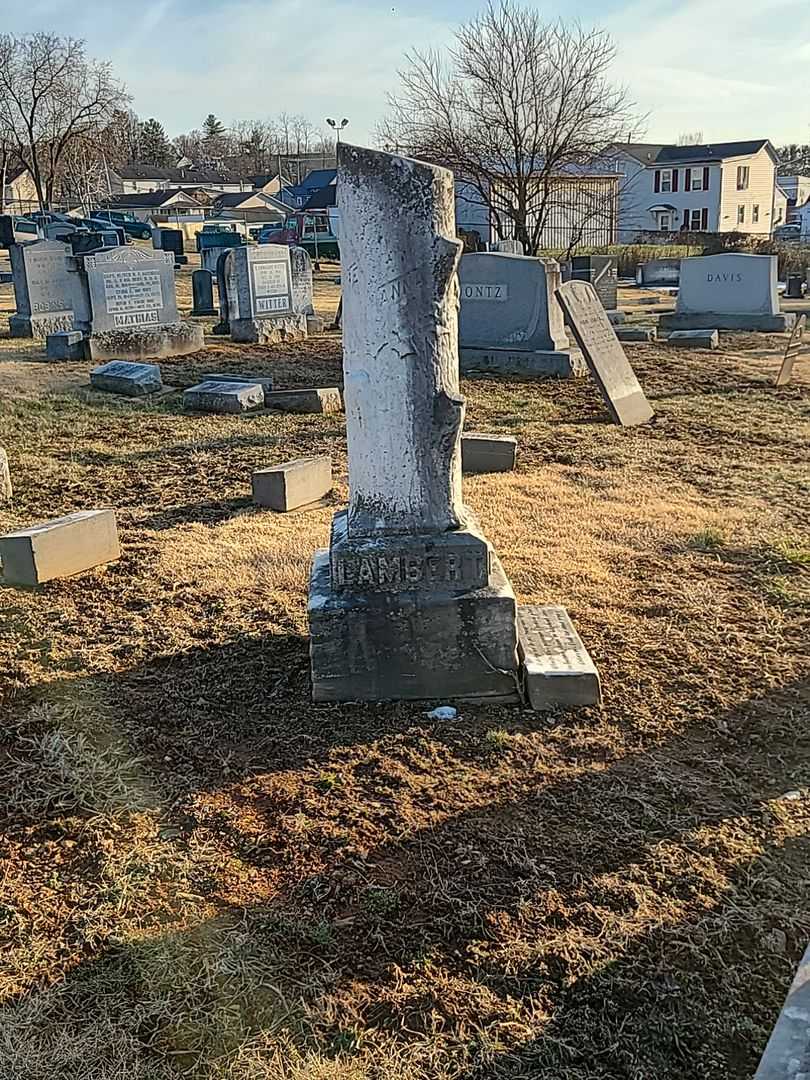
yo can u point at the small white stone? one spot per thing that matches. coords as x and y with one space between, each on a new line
444 712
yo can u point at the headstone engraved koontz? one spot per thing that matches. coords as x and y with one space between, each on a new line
410 601
791 352
604 355
42 288
260 295
728 292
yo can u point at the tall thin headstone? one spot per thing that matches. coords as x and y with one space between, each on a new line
42 289
410 601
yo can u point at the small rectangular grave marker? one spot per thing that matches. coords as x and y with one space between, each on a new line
293 483
59 548
325 399
65 345
224 397
265 381
557 666
636 333
603 353
482 453
130 379
791 352
694 339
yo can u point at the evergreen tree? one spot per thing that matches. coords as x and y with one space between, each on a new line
155 148
215 141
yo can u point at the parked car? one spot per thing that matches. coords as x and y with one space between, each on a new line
788 233
24 229
139 230
310 229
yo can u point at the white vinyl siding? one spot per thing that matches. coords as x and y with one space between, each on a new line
760 192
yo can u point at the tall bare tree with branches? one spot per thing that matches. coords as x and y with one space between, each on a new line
521 110
50 95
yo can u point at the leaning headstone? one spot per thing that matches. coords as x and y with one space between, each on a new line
510 321
59 548
129 379
322 399
133 307
482 453
42 288
728 292
694 339
224 397
558 670
202 292
293 484
602 272
608 364
262 283
6 488
791 352
410 601
787 1055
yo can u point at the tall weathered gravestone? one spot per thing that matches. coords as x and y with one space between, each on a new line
42 288
410 600
602 272
260 295
728 292
510 321
132 306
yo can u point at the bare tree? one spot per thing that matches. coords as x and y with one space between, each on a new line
50 95
512 107
690 138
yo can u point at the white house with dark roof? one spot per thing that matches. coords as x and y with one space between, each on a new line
138 178
723 187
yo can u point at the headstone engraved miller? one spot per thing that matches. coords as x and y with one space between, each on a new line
728 292
42 288
510 321
410 600
260 295
133 306
604 355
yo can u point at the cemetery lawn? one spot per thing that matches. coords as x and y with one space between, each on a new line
205 875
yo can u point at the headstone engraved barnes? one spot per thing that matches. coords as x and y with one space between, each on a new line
728 292
260 295
133 306
791 352
604 355
510 321
42 288
410 600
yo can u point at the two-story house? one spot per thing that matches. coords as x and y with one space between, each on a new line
723 187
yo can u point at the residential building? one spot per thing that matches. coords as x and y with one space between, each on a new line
723 187
797 193
19 195
135 178
157 205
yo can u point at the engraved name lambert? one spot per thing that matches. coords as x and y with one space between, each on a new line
407 571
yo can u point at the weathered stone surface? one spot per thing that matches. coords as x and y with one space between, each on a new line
301 270
617 318
157 343
763 324
322 399
730 284
261 285
131 289
6 487
617 382
792 351
787 1055
315 325
382 645
601 271
65 345
59 548
42 289
636 333
293 483
202 291
269 331
131 380
264 381
482 453
540 365
223 397
557 668
694 339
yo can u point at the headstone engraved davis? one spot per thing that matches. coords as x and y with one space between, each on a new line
792 351
410 600
728 292
260 295
510 320
604 355
42 288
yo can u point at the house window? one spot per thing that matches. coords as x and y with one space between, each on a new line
666 180
755 215
743 176
696 180
740 215
695 223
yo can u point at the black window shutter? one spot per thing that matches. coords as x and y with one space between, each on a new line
657 181
686 220
687 179
704 218
706 178
674 179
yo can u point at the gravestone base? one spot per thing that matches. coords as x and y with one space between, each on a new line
636 333
157 343
559 365
39 326
65 345
416 644
764 324
273 331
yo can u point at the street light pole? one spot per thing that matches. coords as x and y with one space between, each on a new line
338 127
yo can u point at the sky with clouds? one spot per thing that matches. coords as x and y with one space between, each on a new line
730 68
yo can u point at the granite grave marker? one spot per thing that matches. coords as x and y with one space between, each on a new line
728 292
42 288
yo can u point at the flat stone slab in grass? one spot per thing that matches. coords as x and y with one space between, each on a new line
65 345
543 365
146 343
557 668
787 1055
482 453
695 339
293 483
636 333
325 399
264 381
224 397
122 377
59 548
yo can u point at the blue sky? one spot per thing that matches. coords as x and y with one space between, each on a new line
729 68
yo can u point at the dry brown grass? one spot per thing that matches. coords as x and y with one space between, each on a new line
205 875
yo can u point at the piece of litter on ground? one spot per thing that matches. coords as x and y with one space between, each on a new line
444 712
792 795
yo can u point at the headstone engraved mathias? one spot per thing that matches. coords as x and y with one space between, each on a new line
42 288
410 600
603 353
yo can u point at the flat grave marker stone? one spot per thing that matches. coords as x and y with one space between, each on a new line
224 397
129 379
482 453
558 669
59 548
792 351
293 484
604 355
